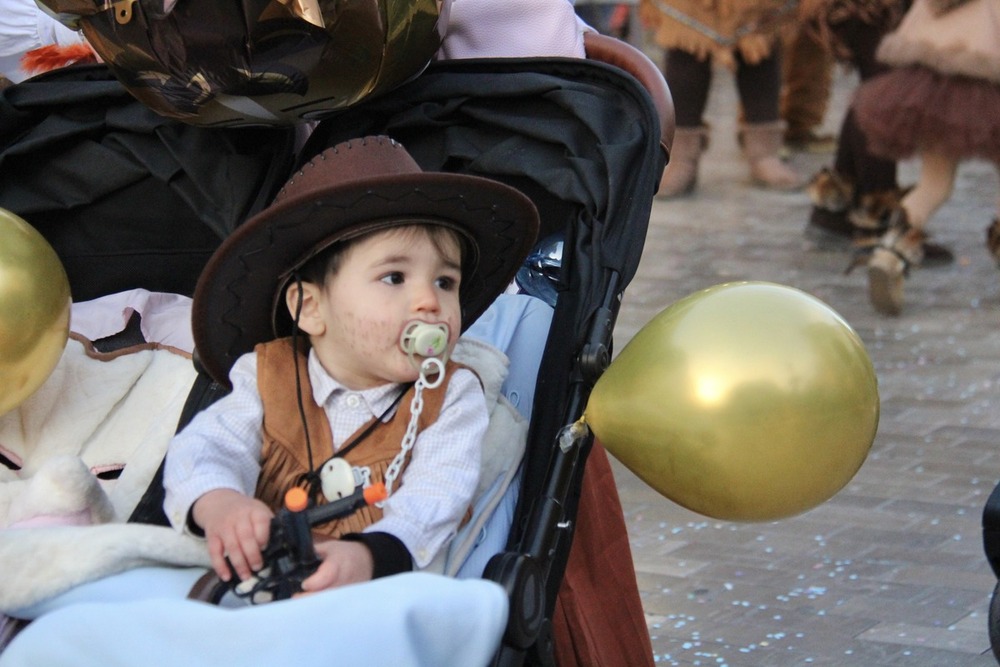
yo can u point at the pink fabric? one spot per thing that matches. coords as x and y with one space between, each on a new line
166 318
80 518
512 29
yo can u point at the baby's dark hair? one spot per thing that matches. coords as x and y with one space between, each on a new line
326 263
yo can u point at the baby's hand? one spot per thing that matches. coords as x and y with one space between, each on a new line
343 563
236 527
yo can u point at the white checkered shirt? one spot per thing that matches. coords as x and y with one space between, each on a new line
221 448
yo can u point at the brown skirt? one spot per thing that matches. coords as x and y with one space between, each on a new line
913 109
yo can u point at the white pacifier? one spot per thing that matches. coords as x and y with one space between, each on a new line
426 340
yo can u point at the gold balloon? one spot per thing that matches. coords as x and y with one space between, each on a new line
34 310
746 401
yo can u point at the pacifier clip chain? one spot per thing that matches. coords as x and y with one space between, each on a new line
431 367
431 342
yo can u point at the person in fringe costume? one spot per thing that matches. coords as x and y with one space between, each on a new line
745 36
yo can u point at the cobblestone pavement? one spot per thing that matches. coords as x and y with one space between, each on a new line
891 570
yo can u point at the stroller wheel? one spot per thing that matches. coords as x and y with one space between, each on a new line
994 622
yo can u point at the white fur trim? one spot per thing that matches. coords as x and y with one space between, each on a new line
93 412
40 563
503 448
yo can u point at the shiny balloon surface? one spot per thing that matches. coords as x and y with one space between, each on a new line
34 310
745 401
258 62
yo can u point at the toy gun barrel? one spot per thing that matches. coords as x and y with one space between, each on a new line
335 509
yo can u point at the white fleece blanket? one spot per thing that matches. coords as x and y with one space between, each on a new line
100 412
96 414
115 412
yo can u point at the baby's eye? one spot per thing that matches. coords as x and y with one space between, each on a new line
393 278
447 283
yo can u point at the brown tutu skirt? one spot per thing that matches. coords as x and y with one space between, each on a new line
912 109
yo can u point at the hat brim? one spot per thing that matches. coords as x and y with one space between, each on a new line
235 297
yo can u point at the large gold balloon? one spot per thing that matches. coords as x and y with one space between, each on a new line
34 310
746 401
253 62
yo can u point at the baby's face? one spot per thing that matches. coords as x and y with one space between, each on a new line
384 282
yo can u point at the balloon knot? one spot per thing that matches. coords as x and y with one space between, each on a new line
572 434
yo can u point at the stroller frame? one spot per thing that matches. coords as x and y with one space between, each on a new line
613 119
603 237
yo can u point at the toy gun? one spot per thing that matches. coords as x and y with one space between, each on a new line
289 556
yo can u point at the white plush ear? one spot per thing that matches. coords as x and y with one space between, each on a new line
62 491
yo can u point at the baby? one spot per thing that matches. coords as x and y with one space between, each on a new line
370 258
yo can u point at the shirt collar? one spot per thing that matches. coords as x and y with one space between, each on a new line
326 389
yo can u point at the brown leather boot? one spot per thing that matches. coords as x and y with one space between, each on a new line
681 174
761 143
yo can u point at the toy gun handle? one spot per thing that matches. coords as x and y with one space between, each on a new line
298 519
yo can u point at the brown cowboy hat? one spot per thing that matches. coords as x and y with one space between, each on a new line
356 187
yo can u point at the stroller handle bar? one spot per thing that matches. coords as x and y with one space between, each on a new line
622 55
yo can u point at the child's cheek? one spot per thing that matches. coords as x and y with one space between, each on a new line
372 336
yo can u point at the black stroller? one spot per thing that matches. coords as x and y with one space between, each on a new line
586 141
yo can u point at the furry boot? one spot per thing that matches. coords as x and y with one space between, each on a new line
762 143
831 195
681 174
900 248
872 216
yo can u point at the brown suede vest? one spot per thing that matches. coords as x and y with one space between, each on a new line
284 457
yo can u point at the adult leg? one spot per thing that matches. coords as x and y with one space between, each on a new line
689 79
855 197
870 173
762 134
866 172
807 73
867 182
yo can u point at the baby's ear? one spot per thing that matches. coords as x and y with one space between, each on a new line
310 320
